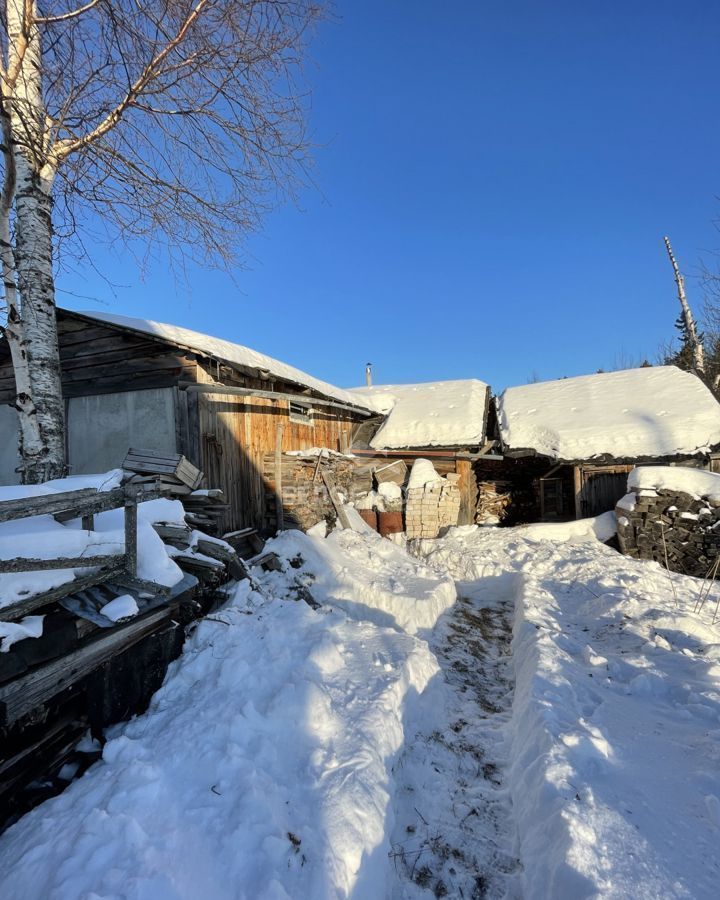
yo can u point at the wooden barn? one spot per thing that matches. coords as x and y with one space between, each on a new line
579 437
133 383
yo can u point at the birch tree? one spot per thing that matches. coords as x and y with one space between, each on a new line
175 121
692 339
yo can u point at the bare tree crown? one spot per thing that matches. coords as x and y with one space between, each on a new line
173 119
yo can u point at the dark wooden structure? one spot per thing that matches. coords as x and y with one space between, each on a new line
224 416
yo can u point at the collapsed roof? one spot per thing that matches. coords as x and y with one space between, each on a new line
648 413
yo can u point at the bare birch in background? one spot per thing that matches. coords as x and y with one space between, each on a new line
176 121
692 339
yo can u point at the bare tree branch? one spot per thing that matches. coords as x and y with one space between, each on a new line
63 17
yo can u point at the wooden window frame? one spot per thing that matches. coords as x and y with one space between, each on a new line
301 413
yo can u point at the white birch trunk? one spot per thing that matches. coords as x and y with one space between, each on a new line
696 347
39 388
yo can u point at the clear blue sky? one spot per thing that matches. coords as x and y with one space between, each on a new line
493 184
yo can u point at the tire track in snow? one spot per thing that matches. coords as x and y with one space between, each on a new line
454 833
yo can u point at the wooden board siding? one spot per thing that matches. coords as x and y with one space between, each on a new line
236 433
225 436
98 359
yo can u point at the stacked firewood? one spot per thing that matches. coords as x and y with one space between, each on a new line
206 510
494 498
302 489
673 528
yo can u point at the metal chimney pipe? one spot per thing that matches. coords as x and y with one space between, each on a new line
368 374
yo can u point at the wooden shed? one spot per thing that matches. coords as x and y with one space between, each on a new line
581 436
450 423
129 382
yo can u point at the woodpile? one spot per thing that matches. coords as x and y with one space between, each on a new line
86 670
494 499
176 476
206 510
301 488
673 528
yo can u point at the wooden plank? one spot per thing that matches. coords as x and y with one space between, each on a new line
28 564
100 501
14 611
49 504
21 696
155 454
279 514
578 488
131 521
273 395
334 499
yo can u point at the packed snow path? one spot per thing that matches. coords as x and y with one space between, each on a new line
615 728
454 834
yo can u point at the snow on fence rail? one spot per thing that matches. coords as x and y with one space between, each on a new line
81 504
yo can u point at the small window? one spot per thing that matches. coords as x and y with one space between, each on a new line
301 413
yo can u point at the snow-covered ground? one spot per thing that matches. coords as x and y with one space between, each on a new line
614 734
509 713
263 766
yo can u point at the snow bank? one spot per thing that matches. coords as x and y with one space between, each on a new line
434 414
229 352
696 482
263 767
655 411
616 717
370 578
600 528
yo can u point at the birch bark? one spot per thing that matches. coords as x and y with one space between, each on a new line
696 347
32 323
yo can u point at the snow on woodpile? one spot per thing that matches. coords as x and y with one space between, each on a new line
227 351
433 414
672 516
649 412
696 482
433 502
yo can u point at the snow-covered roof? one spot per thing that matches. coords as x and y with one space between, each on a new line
230 353
653 412
432 414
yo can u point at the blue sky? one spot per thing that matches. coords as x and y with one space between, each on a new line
493 181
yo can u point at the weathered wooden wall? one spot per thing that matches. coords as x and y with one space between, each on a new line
99 359
225 436
228 437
